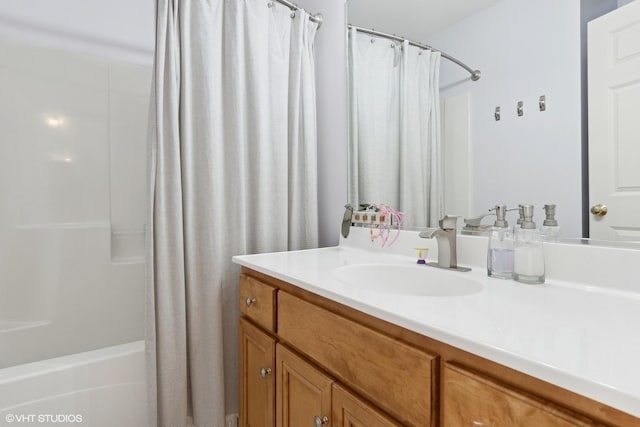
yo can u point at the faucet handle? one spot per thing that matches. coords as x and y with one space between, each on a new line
448 222
476 222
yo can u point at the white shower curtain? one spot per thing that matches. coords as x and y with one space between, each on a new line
394 148
232 171
374 84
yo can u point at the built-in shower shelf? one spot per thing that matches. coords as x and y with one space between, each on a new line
127 246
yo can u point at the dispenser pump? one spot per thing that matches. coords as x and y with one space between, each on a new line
550 213
521 217
527 217
501 216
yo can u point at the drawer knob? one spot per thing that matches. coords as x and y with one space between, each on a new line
250 301
264 372
319 422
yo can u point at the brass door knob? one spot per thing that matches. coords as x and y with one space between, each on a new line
599 210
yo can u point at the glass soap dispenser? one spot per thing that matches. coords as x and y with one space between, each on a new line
550 229
501 246
528 259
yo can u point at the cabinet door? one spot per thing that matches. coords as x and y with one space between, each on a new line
471 399
257 377
350 411
303 393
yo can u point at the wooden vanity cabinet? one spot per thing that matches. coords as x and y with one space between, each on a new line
307 396
309 361
350 411
473 399
396 377
257 357
279 387
303 392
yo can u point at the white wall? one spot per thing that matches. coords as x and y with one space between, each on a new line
332 89
524 49
116 29
456 155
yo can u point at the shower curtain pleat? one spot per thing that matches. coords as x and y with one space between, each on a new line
436 178
232 171
303 181
394 146
420 176
374 162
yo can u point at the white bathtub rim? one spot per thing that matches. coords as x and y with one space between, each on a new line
19 406
32 369
36 381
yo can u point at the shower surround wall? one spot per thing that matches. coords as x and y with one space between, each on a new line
72 180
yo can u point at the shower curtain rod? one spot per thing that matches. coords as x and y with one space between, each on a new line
475 74
317 18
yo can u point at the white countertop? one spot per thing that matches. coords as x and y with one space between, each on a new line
582 338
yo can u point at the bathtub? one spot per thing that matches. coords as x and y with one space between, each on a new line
99 388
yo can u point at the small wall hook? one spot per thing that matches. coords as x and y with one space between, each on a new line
520 109
497 114
542 103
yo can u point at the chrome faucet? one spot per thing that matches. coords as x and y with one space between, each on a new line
446 238
474 225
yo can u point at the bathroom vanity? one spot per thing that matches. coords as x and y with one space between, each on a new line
318 350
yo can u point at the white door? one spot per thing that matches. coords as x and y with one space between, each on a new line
614 124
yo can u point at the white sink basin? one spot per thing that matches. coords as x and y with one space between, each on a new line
418 280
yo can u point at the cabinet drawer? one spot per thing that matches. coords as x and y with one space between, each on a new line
391 374
258 302
471 399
